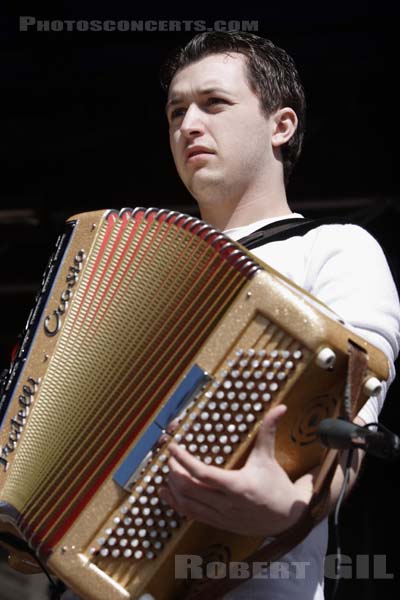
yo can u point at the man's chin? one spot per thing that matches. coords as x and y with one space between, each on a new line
204 194
204 181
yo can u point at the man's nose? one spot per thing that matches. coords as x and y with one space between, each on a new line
193 122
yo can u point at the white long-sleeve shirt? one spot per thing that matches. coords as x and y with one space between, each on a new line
345 267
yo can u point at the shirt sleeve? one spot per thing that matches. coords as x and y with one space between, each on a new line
349 272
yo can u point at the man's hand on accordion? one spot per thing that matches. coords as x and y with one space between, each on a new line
258 499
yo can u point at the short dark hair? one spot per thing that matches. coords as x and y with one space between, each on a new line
271 73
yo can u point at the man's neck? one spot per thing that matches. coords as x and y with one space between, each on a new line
243 213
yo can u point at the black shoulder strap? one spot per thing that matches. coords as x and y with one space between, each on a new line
286 228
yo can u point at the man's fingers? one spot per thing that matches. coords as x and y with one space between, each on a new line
173 425
215 477
192 509
169 431
188 495
264 446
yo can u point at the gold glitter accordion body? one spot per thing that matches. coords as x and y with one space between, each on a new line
145 316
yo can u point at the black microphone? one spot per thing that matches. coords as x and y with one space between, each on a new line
341 434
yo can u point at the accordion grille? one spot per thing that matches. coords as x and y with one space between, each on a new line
149 294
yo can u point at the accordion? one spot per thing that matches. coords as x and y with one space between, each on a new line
146 316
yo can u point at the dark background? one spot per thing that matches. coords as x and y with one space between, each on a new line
82 127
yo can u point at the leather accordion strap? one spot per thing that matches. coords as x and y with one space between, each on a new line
286 228
317 508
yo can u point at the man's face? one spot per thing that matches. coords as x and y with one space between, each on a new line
219 136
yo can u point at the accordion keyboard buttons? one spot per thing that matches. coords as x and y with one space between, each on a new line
212 431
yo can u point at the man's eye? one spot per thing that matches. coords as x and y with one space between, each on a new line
215 100
177 112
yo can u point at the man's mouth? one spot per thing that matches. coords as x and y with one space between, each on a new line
194 151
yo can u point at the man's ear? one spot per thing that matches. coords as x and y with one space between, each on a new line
284 123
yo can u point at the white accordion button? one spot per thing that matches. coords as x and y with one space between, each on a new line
372 386
326 358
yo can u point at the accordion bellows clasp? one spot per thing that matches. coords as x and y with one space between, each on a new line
144 316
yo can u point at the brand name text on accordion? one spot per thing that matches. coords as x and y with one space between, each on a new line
52 323
18 422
